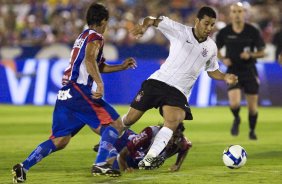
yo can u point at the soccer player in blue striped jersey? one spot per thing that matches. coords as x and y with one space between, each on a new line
76 104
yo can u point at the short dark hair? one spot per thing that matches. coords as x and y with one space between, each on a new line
96 13
206 10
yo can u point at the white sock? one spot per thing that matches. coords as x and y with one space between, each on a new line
160 142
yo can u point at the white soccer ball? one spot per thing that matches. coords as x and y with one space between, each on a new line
234 156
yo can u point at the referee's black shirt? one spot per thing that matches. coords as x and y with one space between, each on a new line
236 43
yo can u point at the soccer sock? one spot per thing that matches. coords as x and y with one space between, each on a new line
235 112
43 150
108 139
253 121
160 142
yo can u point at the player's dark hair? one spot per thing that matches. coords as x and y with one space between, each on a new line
206 10
96 13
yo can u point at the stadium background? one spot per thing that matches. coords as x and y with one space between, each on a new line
31 64
36 39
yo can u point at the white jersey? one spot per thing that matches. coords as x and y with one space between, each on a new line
187 56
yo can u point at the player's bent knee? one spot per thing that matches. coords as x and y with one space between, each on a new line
61 142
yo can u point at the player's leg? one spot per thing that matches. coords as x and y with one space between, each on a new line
108 124
106 147
251 90
252 101
65 125
234 96
146 98
132 116
41 151
172 117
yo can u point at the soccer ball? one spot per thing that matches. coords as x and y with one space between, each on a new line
234 156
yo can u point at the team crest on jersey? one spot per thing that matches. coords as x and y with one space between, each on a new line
139 96
205 52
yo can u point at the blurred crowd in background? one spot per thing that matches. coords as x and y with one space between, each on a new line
43 22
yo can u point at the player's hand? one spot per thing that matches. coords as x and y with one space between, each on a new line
129 170
245 55
129 63
99 91
231 79
138 30
174 168
227 62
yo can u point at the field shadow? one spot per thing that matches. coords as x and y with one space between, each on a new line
267 154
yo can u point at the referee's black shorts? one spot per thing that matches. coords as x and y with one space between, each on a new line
248 80
154 93
249 85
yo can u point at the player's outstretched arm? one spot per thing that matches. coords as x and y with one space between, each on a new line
121 158
230 79
182 153
127 63
139 29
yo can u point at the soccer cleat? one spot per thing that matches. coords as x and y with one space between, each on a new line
105 169
252 135
96 148
19 175
150 163
235 126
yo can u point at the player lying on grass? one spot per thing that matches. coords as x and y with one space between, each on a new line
132 148
138 147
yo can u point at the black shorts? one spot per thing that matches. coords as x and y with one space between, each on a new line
154 93
250 85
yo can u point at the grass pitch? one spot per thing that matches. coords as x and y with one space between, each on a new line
22 128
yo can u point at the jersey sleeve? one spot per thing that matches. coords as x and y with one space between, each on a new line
219 39
170 28
92 37
212 63
259 43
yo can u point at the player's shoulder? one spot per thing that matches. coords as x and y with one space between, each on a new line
226 29
169 21
211 43
251 27
95 35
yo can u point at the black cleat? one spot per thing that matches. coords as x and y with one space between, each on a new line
96 148
252 135
19 175
105 169
235 126
151 163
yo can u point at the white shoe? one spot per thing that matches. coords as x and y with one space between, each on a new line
149 163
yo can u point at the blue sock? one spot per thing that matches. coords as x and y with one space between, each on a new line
108 139
115 165
43 150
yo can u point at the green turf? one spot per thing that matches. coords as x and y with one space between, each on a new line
24 127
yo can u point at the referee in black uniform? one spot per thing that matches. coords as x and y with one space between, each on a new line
244 45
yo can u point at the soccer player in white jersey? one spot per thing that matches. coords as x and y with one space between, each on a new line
76 104
191 50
